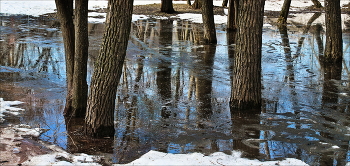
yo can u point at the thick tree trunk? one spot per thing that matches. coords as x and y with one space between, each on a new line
232 15
334 42
80 88
208 21
167 6
224 3
65 15
196 4
284 12
246 83
108 69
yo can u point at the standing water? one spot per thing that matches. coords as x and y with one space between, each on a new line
174 93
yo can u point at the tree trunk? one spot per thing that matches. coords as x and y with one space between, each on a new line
284 12
196 4
232 15
208 21
189 2
246 83
80 87
317 3
167 6
65 15
108 69
334 42
224 3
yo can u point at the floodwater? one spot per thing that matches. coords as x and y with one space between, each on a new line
174 93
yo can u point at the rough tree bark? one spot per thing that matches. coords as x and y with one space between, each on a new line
80 87
246 83
75 37
284 12
167 6
196 4
232 15
65 15
108 69
208 21
334 42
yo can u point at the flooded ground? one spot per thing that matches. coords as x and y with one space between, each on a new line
174 92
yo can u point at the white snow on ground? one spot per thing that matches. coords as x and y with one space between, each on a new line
26 130
62 158
38 7
218 158
7 107
197 18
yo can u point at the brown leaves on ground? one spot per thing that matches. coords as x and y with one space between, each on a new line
154 10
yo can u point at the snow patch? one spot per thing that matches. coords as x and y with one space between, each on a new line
7 107
26 130
63 158
218 158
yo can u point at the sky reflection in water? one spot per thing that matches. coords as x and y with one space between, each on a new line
174 92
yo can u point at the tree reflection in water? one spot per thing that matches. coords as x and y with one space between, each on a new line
174 93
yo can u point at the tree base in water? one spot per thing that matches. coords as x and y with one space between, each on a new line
238 105
100 132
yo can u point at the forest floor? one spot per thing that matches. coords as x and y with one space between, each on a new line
154 10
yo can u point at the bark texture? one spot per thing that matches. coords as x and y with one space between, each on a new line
246 81
167 6
334 43
108 69
284 12
65 15
196 4
75 37
80 87
208 21
232 15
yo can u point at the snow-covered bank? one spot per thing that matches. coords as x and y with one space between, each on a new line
218 158
15 149
18 150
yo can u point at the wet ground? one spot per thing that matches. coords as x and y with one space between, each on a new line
174 93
